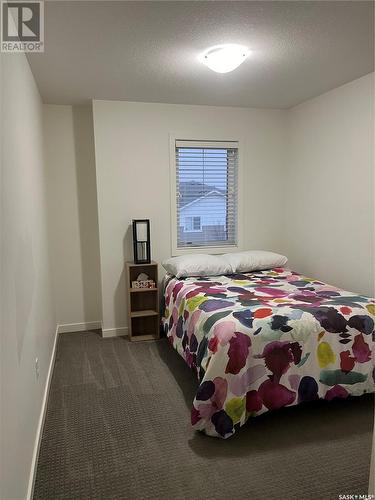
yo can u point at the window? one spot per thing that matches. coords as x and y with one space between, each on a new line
192 224
206 193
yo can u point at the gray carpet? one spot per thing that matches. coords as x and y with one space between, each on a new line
118 426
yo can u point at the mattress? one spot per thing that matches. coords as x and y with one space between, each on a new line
265 340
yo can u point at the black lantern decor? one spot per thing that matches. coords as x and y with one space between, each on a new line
141 241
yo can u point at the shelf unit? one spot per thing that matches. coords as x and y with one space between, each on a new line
143 303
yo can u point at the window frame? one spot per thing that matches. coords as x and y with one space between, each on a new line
213 249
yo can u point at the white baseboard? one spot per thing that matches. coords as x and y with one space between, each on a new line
115 332
79 327
38 437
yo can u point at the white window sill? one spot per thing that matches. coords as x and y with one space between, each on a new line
203 249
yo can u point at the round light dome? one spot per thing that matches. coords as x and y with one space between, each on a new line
224 58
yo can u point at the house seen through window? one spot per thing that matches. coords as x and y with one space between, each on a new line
206 193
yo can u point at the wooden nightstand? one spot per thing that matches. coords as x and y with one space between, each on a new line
143 303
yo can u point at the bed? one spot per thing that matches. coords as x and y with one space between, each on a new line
264 340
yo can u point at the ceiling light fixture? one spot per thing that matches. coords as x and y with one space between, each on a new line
224 58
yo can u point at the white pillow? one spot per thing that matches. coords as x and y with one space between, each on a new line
198 264
254 260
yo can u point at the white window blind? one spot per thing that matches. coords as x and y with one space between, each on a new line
206 193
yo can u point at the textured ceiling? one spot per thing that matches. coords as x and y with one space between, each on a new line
147 51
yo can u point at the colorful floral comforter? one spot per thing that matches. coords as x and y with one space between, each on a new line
263 340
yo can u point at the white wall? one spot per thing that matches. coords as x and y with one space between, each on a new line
73 220
329 194
132 162
27 320
308 184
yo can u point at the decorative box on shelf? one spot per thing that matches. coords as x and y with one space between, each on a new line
143 284
143 301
